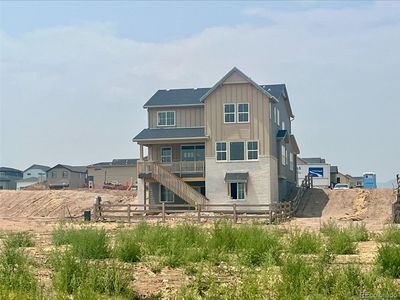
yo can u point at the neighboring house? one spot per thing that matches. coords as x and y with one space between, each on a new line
226 144
334 175
356 182
119 171
9 177
342 178
23 183
64 176
315 167
36 171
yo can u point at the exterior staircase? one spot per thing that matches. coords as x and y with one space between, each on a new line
154 170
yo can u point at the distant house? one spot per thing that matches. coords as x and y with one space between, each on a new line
342 178
64 176
356 182
37 171
9 177
315 167
119 171
334 174
23 183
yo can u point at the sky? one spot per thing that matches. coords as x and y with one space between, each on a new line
74 75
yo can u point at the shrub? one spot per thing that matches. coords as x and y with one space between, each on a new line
62 235
126 246
388 260
19 239
330 228
391 235
358 232
341 242
304 242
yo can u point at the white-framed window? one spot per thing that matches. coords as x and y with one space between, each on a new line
275 114
277 117
236 151
166 118
286 156
229 113
283 125
252 150
291 161
270 110
166 195
243 112
283 155
237 190
166 155
220 150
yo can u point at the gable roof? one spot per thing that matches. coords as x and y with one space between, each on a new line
6 169
41 167
76 169
223 79
279 92
176 97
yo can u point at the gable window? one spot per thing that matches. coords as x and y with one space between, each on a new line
236 151
166 195
291 161
166 155
166 118
243 113
221 151
252 150
237 190
64 174
283 155
229 113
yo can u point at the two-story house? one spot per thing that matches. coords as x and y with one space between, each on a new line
228 143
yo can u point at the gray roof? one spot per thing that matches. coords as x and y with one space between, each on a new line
41 167
170 133
6 169
334 169
314 160
77 169
124 162
177 97
236 176
275 90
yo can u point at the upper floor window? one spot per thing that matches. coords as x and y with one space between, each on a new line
270 110
283 155
166 118
221 151
283 125
291 161
275 114
229 113
236 151
64 174
243 112
166 155
277 117
252 150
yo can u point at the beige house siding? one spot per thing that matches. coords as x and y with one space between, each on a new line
192 116
114 174
258 127
343 178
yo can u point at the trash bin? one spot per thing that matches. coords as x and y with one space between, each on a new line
87 215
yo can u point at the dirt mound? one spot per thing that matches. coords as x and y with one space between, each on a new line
370 206
56 204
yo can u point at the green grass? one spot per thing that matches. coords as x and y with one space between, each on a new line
126 246
304 242
388 260
358 232
19 239
391 235
341 243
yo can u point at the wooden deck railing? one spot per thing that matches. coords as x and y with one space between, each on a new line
305 185
271 213
171 182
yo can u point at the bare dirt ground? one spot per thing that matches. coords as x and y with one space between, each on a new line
372 207
39 210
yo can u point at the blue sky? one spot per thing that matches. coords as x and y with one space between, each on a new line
74 75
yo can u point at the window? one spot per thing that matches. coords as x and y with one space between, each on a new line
166 155
236 151
53 174
291 161
243 113
283 125
29 174
166 118
277 117
221 151
275 114
252 150
166 195
270 110
65 174
192 153
283 155
229 113
238 190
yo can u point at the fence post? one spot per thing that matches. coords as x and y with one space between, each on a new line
163 211
129 213
94 212
199 213
234 213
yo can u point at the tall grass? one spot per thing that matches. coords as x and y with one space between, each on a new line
304 242
19 239
391 234
342 240
126 246
388 260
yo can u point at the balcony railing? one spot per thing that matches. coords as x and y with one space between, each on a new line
185 168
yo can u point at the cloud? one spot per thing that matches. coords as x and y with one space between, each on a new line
74 94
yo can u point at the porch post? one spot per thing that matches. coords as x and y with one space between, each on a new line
141 152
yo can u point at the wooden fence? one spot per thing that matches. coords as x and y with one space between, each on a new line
271 213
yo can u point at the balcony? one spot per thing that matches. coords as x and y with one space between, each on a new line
183 169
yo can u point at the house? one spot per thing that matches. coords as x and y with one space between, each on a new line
119 171
23 183
334 175
229 143
37 171
64 176
357 181
9 177
317 168
343 178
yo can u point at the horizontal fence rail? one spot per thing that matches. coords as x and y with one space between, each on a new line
271 213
